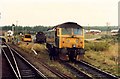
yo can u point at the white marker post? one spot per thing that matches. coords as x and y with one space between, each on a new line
34 50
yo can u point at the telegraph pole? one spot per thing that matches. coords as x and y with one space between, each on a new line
88 28
0 15
107 30
16 27
0 28
13 25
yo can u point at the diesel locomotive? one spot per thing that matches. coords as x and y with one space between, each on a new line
66 41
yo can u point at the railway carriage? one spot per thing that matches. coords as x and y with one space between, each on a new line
66 41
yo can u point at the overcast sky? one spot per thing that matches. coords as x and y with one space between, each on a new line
54 12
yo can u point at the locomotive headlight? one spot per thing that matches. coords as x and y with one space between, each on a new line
68 41
74 45
80 39
76 40
81 42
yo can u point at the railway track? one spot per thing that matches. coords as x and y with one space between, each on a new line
79 74
7 69
59 74
22 68
95 72
9 55
88 71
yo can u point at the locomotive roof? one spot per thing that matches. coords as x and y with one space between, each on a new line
68 25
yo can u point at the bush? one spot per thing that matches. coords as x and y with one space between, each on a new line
39 48
101 46
96 46
110 39
88 46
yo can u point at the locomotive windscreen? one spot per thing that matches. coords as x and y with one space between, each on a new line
77 31
27 36
70 31
66 31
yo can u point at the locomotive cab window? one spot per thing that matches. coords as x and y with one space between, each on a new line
77 31
66 31
27 36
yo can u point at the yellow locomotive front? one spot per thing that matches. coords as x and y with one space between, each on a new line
67 40
71 38
71 43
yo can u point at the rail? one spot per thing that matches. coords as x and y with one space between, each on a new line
22 67
95 72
